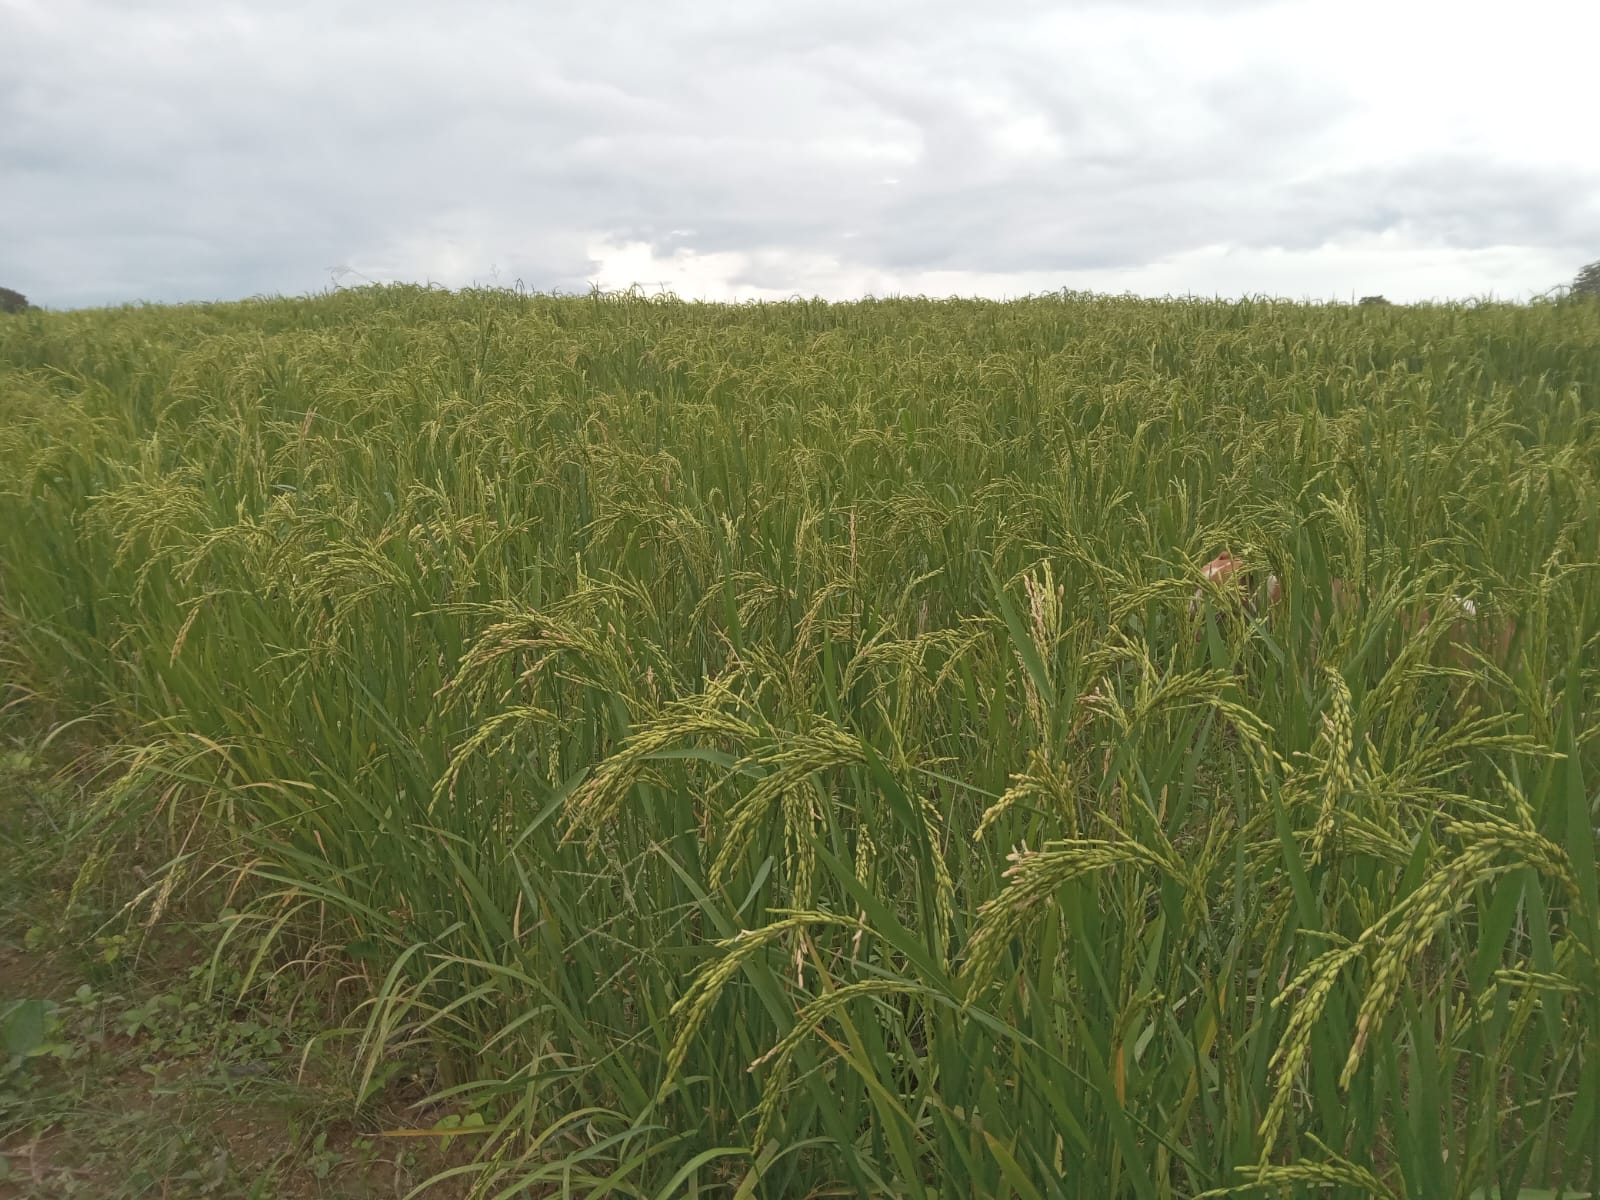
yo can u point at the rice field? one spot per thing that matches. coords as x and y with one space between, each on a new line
799 750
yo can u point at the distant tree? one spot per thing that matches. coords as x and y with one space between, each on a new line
1587 281
12 302
1375 301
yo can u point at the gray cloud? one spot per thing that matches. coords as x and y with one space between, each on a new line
1458 202
190 149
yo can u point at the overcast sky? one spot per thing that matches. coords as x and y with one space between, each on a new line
205 149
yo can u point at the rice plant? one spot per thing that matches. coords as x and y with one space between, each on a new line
796 749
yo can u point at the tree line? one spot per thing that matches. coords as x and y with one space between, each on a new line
1585 283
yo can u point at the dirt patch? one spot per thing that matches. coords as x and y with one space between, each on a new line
139 1074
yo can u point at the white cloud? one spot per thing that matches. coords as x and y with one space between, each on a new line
1388 263
178 149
